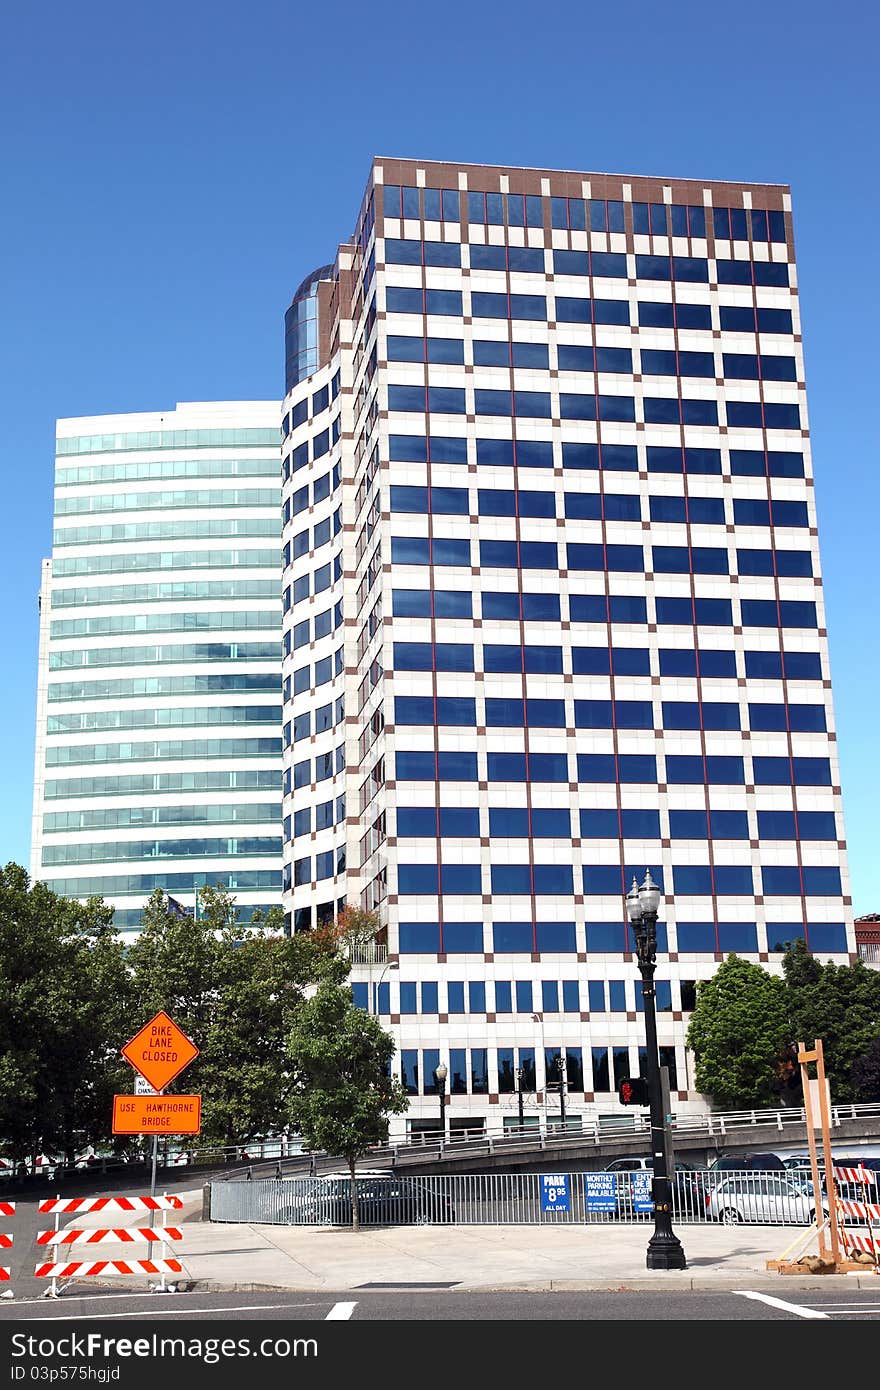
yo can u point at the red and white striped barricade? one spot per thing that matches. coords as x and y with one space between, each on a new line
162 1235
849 1210
6 1239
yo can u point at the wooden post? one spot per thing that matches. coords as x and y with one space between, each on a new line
826 1146
803 1057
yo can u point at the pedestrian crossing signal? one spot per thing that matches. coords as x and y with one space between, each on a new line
633 1090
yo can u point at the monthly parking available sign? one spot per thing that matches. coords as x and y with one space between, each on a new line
600 1191
555 1194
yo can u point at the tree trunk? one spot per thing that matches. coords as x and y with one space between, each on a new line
355 1215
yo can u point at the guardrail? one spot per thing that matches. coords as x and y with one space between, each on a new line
698 1196
285 1153
485 1142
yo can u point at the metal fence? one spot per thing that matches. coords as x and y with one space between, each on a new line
516 1199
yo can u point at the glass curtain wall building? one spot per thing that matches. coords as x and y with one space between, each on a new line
159 693
553 615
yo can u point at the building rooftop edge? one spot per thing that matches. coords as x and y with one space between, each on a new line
584 173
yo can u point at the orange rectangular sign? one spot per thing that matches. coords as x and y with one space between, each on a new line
160 1051
157 1114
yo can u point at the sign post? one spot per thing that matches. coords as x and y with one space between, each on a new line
159 1052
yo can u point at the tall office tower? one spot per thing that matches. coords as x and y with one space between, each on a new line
553 615
159 710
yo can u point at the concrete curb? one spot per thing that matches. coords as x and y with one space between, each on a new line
701 1283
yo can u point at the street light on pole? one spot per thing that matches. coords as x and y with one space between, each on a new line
665 1250
440 1074
519 1096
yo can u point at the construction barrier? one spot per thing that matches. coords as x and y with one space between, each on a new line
161 1235
849 1210
88 1204
6 1239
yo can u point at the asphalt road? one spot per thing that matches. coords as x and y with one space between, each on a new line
441 1304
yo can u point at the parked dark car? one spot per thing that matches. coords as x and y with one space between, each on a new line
390 1201
748 1162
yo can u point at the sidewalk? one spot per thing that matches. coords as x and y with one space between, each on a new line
232 1256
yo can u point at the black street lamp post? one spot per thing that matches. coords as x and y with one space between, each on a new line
664 1248
519 1096
440 1074
561 1065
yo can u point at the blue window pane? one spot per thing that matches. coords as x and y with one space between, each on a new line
577 407
551 824
418 878
683 769
580 456
827 936
462 938
504 713
599 825
811 772
802 666
596 996
587 608
690 879
541 660
457 767
733 879
408 448
729 825
689 825
512 938
409 550
678 661
443 302
548 767
461 878
540 607
571 1001
506 767
822 882
553 879
626 608
419 938
476 997
696 937
416 820
609 265
445 551
737 936
638 824
413 656
784 880
593 714
546 714
407 997
452 603
634 714
453 656
457 822
455 997
503 991
556 938
617 996
506 657
816 825
455 710
606 937
622 457
524 996
772 772
776 825
413 709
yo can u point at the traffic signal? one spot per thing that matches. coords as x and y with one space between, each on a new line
633 1090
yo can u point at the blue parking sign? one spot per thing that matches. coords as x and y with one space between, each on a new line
600 1191
554 1192
641 1190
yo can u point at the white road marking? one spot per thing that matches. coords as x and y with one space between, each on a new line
340 1312
184 1311
796 1308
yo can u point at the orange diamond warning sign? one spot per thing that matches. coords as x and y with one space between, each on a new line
160 1051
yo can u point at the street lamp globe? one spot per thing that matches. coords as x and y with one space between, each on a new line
441 1073
633 904
649 895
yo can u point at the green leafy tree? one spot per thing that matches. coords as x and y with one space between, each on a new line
63 996
342 1089
865 1073
739 1032
232 988
839 1004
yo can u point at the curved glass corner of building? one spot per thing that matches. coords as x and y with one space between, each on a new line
301 328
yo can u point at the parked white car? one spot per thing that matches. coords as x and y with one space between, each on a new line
768 1198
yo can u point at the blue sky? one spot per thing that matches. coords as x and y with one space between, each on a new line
171 171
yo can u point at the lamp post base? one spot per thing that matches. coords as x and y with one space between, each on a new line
665 1251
